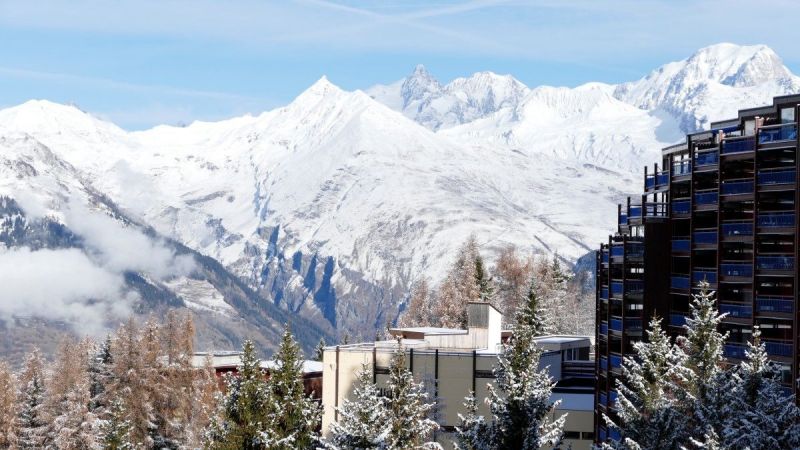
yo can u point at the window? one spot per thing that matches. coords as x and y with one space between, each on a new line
572 435
588 435
787 115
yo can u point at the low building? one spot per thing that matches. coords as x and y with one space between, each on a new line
453 362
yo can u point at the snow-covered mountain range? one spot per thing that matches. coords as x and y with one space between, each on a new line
327 209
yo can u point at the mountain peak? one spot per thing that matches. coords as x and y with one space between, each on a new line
421 84
737 65
420 71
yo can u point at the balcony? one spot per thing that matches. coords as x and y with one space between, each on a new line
775 263
681 207
706 159
705 237
603 327
737 228
777 133
634 212
677 320
681 245
634 287
616 361
736 269
603 363
604 256
656 210
633 325
736 187
706 198
617 289
604 293
617 250
738 145
681 168
737 311
701 274
623 219
615 325
767 304
679 282
771 177
778 348
776 220
602 399
734 351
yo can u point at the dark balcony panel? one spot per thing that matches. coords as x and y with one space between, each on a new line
738 145
635 250
705 237
707 275
634 287
603 363
706 159
681 245
633 324
662 178
681 207
775 262
617 250
649 181
677 320
656 210
775 304
734 351
604 293
681 168
706 198
617 288
776 220
623 219
737 188
743 311
603 328
612 397
615 434
736 269
737 229
615 324
772 177
778 348
602 399
635 211
616 361
604 257
782 133
602 434
679 282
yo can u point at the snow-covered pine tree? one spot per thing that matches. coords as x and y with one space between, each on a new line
100 377
206 396
649 420
292 416
471 432
33 420
319 350
69 398
532 314
420 307
363 419
8 407
115 429
483 280
759 415
243 410
409 422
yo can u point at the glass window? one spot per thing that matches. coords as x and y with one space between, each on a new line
787 115
749 127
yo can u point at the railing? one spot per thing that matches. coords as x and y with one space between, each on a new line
616 361
736 269
745 311
612 397
775 262
679 282
737 187
662 178
706 198
649 181
734 351
617 250
604 256
635 250
681 245
615 324
617 288
615 434
778 348
768 177
623 218
656 209
603 327
776 133
603 363
604 293
633 324
705 237
737 228
775 304
634 287
634 211
738 145
681 168
681 207
776 219
602 399
709 275
677 320
706 159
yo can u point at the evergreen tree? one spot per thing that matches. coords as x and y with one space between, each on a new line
100 375
471 433
363 420
292 417
72 425
459 287
243 410
532 315
319 350
483 280
115 430
8 407
33 420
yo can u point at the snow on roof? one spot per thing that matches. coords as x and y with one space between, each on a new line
430 330
222 360
559 339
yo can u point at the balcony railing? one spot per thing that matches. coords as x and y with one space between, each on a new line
737 228
681 245
775 304
706 159
777 133
633 324
744 311
623 219
656 210
778 348
679 282
612 398
603 327
616 361
776 176
615 324
737 187
681 168
706 198
604 293
617 288
604 256
736 269
634 250
633 287
634 211
775 262
776 220
603 363
705 237
677 320
734 351
681 207
709 275
617 250
738 145
602 399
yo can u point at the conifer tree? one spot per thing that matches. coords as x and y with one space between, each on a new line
532 315
363 419
513 275
471 433
292 417
115 429
130 384
483 280
72 425
420 307
100 375
33 420
8 407
319 350
459 287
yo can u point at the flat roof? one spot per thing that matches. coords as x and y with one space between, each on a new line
231 360
430 330
560 339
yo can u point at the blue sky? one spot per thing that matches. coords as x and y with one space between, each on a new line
142 63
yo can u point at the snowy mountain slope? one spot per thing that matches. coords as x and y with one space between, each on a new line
331 206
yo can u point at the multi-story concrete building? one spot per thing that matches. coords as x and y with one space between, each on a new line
453 362
722 208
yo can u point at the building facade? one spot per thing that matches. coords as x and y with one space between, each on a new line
453 362
722 207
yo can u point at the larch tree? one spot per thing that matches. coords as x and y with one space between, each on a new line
363 419
420 307
512 275
33 420
460 286
8 407
130 381
73 425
